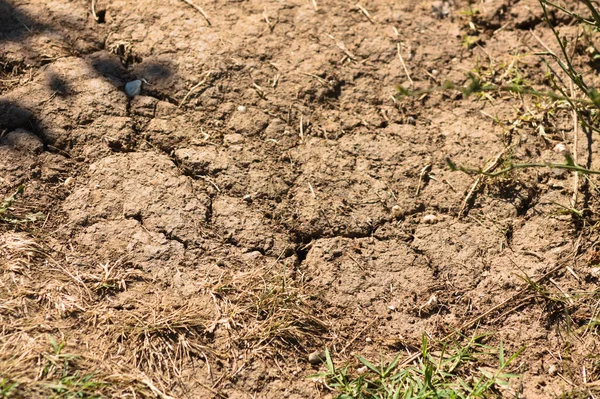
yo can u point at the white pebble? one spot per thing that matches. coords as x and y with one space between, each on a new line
430 219
560 148
133 88
241 108
316 357
252 255
68 181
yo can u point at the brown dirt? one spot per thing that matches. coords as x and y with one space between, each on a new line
263 197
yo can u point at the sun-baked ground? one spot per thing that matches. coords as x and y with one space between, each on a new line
268 195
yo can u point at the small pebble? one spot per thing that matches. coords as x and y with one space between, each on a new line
362 370
247 198
317 357
560 148
241 108
552 369
430 219
68 181
368 339
396 211
133 88
252 255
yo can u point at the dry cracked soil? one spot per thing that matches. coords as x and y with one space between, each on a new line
269 194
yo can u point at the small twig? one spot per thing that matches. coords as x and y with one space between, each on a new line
155 390
320 79
199 9
312 191
574 152
424 171
404 65
314 3
567 296
259 90
342 47
511 167
488 169
94 11
208 179
359 334
192 89
364 11
269 25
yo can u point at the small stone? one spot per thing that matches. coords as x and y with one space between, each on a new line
241 108
317 357
247 198
68 182
560 148
368 339
430 219
362 370
396 211
252 255
552 370
133 88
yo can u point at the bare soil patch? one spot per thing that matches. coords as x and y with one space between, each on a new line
268 195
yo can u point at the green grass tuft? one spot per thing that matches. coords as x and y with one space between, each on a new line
456 372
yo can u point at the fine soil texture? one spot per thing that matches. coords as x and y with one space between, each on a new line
280 186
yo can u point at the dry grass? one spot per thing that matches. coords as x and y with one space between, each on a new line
105 331
265 312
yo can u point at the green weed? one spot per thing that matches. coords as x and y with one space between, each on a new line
7 387
8 214
456 372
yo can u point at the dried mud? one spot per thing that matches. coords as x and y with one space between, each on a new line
267 149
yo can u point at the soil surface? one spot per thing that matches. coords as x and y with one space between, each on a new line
268 193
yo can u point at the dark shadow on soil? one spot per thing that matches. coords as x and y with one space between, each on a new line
19 29
16 25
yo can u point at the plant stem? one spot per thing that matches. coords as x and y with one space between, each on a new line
511 167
